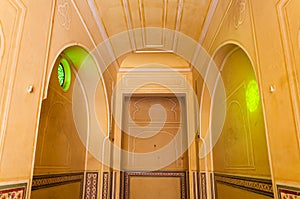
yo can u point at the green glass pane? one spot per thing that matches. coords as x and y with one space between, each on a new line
61 75
252 96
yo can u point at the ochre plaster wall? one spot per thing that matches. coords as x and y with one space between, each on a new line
224 191
32 35
242 146
60 192
267 31
59 148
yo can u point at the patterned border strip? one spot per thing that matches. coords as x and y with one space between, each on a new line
13 191
199 181
212 186
113 184
122 180
109 184
286 192
51 180
259 186
91 185
196 185
105 186
177 174
203 185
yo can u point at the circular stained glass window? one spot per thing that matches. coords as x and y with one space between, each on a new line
61 74
64 74
252 96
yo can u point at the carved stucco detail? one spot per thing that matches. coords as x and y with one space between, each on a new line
64 14
239 13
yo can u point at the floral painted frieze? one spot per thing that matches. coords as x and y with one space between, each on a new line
286 192
13 191
255 185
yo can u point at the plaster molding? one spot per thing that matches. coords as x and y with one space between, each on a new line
207 22
177 26
258 73
294 82
233 138
103 32
46 79
129 23
299 39
216 33
2 41
20 8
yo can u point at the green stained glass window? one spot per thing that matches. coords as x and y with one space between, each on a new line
252 96
61 75
64 74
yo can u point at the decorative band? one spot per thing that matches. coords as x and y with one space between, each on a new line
256 185
105 185
203 185
13 191
109 184
288 192
51 180
177 174
91 185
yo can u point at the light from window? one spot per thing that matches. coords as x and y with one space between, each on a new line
252 96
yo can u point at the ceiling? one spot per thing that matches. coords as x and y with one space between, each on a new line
186 16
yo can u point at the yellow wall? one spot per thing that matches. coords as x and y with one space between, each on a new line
224 191
267 31
72 190
34 33
59 148
242 146
151 187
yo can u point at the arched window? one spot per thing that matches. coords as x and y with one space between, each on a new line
64 74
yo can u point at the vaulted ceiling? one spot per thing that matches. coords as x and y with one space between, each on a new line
189 17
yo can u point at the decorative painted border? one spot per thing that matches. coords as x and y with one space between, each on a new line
287 192
13 191
200 185
256 185
91 185
105 186
174 174
109 185
212 186
203 183
52 180
195 185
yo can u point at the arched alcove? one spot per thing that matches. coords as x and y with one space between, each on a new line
240 155
62 151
